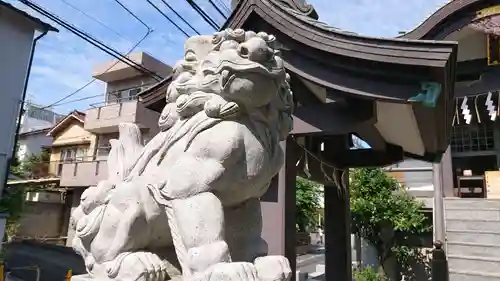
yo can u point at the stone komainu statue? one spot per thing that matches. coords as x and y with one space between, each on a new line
186 205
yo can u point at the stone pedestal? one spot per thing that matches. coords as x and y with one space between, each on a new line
86 277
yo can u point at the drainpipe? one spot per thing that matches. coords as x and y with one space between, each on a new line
21 111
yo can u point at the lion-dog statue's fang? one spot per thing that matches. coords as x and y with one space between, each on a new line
186 205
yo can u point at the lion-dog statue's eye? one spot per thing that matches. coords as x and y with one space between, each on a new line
243 51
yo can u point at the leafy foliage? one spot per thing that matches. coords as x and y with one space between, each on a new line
380 208
308 202
12 203
33 166
13 198
368 274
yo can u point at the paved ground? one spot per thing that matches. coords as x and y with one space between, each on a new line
307 263
55 261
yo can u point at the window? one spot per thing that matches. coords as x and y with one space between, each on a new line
133 93
72 154
466 138
127 95
103 150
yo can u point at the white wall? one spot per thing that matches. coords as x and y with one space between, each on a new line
417 176
15 48
36 118
32 144
29 124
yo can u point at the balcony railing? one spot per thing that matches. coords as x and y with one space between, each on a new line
84 172
105 117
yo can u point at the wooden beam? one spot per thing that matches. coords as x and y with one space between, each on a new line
372 136
330 118
301 93
360 158
487 81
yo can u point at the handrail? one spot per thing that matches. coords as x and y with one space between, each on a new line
121 100
117 101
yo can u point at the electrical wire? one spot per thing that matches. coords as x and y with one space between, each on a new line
167 17
149 31
224 6
96 20
106 70
204 15
182 18
80 99
90 39
217 8
134 15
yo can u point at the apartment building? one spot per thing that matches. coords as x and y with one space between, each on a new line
36 121
81 140
80 146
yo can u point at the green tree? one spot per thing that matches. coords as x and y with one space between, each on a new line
13 198
380 209
308 196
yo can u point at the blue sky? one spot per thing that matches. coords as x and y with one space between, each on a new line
63 62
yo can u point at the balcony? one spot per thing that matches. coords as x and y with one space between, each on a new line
83 173
106 118
76 173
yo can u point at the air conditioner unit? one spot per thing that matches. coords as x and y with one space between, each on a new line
44 197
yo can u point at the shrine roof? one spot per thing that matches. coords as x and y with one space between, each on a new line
382 83
451 17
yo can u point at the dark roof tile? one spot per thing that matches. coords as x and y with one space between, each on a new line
43 25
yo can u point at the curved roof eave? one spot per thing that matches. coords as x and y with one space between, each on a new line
320 36
449 18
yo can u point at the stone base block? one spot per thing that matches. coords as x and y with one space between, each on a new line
83 277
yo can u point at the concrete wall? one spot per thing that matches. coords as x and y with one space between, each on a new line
41 220
83 174
74 202
415 175
17 40
105 119
114 70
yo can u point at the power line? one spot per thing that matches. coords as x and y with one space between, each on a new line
204 15
96 20
182 18
90 39
80 99
217 8
58 102
224 6
167 17
132 14
94 79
